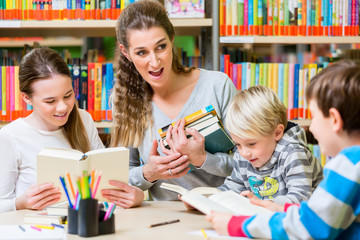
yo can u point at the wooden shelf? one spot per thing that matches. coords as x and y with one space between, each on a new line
47 42
103 124
302 122
85 28
288 39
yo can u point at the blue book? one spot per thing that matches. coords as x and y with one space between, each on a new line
109 83
296 90
222 66
103 88
281 81
243 75
257 74
83 86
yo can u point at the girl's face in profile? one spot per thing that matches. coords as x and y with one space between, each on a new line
53 99
151 52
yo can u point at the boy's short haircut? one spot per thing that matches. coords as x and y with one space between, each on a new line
255 112
338 86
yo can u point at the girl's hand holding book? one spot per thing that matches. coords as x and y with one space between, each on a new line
123 195
38 197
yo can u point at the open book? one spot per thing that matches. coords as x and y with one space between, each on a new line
206 191
227 201
113 163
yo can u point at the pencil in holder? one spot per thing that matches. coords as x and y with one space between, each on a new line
106 226
72 221
88 217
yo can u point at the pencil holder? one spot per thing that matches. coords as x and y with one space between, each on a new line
106 226
72 221
88 218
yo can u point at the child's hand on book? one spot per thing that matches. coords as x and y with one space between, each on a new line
193 147
219 221
174 165
38 197
123 195
268 204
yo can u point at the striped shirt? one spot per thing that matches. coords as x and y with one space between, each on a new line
290 176
332 212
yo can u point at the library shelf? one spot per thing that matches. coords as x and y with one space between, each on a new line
102 124
48 42
86 28
109 124
289 39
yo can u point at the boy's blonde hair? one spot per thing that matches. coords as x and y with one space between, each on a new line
255 112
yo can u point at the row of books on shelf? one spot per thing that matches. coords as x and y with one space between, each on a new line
92 85
288 80
315 150
289 17
61 9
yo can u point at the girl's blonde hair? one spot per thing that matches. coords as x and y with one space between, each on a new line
255 112
45 63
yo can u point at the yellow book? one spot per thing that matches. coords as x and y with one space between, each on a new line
3 90
270 75
275 76
191 118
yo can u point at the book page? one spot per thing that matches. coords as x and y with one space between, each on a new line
114 165
53 163
203 204
174 188
239 204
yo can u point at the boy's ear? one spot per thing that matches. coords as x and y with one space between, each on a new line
124 52
26 98
337 121
279 132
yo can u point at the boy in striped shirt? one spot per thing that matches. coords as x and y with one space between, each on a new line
272 161
333 211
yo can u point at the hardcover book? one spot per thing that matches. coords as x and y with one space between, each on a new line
185 8
207 122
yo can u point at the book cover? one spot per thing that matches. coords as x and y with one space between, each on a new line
185 8
55 162
190 118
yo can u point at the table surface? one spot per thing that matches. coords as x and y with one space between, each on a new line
134 223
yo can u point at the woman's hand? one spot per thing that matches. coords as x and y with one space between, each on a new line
174 165
124 195
219 221
38 197
268 204
193 147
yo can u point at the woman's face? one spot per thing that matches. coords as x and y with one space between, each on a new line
53 99
151 52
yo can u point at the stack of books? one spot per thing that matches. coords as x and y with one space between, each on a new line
207 122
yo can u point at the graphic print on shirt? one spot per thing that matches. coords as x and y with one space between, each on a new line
264 188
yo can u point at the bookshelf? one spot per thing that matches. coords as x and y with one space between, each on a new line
272 44
88 28
55 31
48 42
